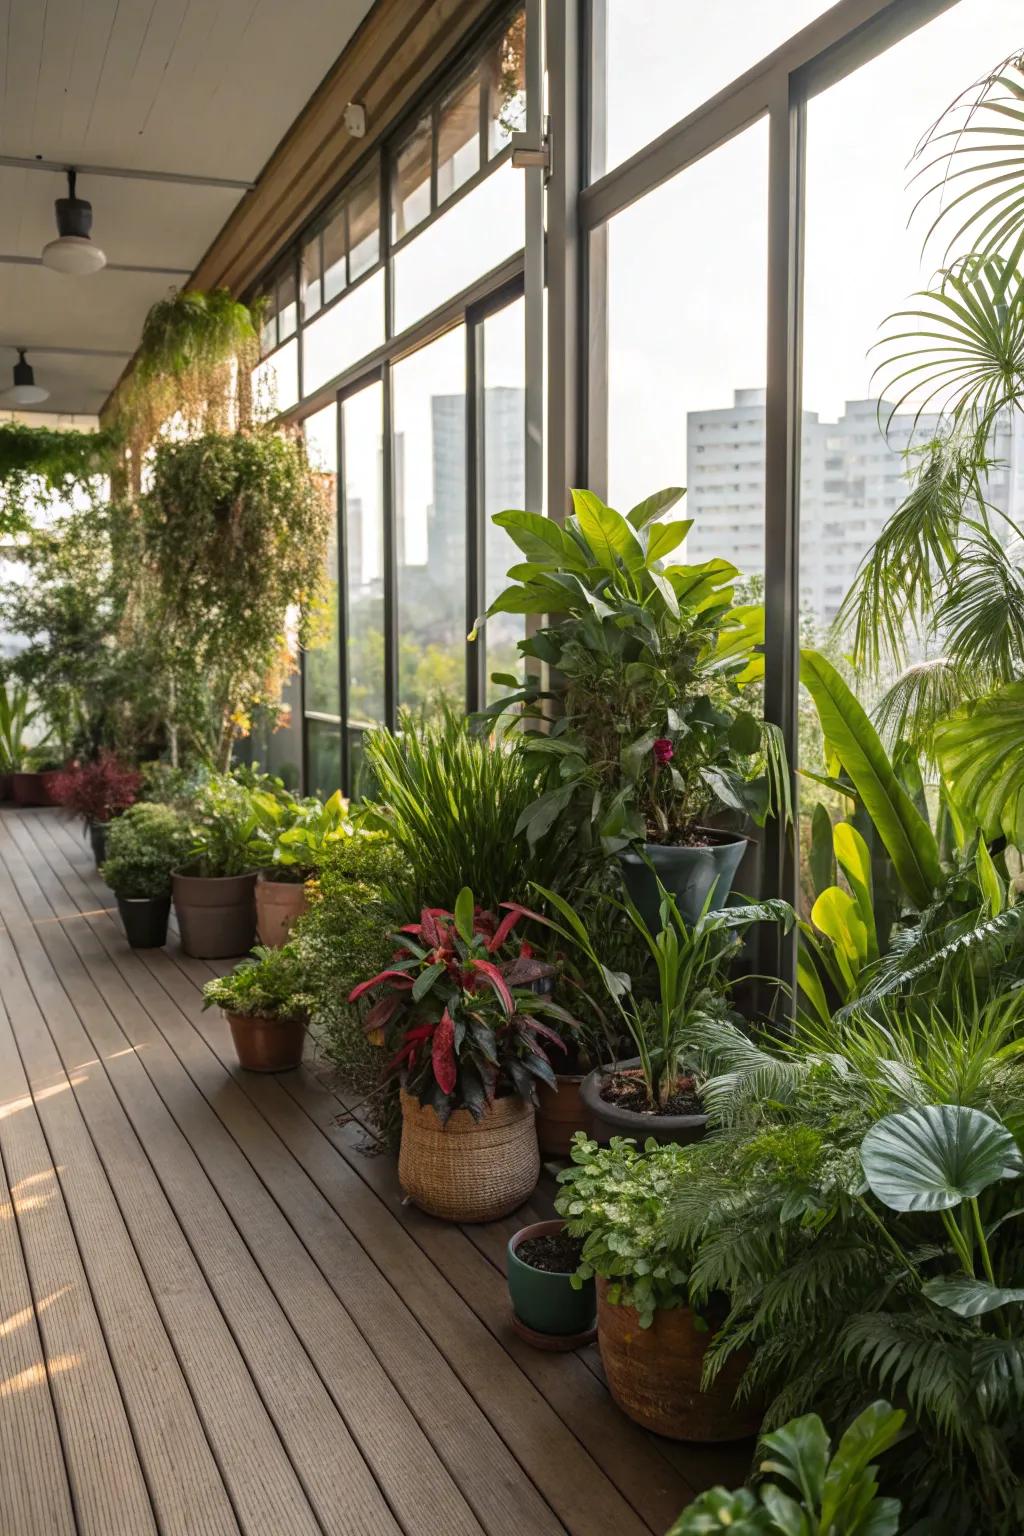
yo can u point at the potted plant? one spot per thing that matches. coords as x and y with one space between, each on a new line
97 792
548 1311
266 1006
33 780
657 1093
214 889
646 732
16 715
468 1045
298 833
144 846
652 1341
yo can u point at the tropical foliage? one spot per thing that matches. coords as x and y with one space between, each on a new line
269 985
456 1009
648 730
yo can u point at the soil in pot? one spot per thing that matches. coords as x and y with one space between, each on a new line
616 1105
278 904
469 1170
654 1374
547 1310
267 1045
145 920
217 916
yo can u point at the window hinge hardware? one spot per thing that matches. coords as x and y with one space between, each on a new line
354 118
527 154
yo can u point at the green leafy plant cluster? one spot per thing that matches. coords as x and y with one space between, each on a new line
806 1489
618 1199
144 846
17 713
649 732
298 832
43 464
269 985
224 830
451 800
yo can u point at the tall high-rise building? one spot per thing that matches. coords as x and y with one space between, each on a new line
853 477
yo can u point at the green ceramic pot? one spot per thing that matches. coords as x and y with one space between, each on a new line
546 1309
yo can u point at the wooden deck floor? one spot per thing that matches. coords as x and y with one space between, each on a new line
215 1314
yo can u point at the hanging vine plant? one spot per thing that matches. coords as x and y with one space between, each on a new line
234 536
41 463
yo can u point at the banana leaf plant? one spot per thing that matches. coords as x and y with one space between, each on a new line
457 1011
644 730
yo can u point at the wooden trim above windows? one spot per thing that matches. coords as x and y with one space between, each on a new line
398 49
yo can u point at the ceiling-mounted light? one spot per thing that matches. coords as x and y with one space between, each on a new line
25 390
73 252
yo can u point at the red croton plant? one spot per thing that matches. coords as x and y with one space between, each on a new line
97 791
458 1010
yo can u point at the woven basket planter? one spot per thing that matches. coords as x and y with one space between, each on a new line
468 1170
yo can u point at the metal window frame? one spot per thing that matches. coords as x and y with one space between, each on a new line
778 87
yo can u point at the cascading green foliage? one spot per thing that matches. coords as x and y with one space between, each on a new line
859 1204
648 727
40 465
451 800
233 533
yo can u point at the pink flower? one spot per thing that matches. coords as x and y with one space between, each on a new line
662 751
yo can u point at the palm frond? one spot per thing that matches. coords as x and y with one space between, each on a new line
923 694
981 616
913 1354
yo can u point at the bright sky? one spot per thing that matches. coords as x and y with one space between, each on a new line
687 265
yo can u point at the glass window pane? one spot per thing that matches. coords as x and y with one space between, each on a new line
323 689
480 232
268 329
504 477
323 744
410 185
663 58
504 70
430 521
334 255
275 381
311 289
858 246
458 138
364 225
287 309
686 348
338 339
361 417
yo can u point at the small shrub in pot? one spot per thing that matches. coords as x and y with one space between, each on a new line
214 888
267 1008
144 846
298 834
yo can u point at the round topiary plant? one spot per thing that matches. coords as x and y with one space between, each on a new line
144 846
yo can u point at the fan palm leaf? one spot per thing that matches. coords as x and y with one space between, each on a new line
924 694
981 757
981 616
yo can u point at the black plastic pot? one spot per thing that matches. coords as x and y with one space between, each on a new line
690 874
608 1120
145 920
98 838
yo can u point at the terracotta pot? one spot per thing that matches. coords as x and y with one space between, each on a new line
654 1375
467 1170
267 1045
606 1120
216 916
32 788
561 1113
278 904
546 1309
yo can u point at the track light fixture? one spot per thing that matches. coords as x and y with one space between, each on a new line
73 250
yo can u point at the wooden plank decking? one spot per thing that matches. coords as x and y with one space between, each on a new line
215 1314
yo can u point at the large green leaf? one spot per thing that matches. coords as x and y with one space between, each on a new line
837 915
854 858
610 537
822 858
540 538
653 506
934 1157
906 836
968 1297
981 754
665 537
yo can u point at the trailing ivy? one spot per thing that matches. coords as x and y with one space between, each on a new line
40 464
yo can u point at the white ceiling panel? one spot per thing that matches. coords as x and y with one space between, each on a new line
194 87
